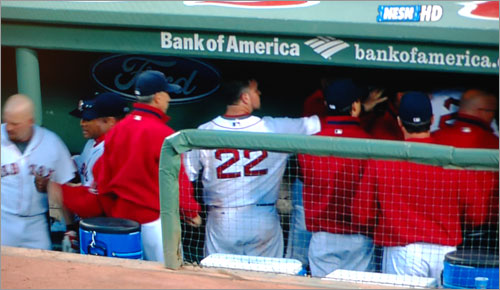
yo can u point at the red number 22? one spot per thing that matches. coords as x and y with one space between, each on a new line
247 168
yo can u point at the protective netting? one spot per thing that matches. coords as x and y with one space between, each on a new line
380 214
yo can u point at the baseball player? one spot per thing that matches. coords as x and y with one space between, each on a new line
329 187
96 116
126 175
446 104
299 236
417 209
30 156
471 128
240 187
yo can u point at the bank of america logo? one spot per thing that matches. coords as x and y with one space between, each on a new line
326 46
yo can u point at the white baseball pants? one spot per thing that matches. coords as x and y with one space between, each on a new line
417 259
27 232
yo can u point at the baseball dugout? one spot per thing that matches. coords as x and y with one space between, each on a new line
392 193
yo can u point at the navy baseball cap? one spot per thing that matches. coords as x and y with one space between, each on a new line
415 108
340 95
151 82
104 105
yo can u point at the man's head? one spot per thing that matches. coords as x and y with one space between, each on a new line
480 104
18 115
342 98
243 94
99 115
415 112
151 87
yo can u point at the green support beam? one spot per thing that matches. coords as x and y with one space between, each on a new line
28 78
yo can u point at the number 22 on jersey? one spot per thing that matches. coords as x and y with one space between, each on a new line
248 168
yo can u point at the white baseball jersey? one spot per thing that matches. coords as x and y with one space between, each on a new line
45 154
24 223
445 103
86 160
233 178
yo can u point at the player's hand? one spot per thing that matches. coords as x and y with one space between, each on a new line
70 242
194 222
374 98
54 191
41 183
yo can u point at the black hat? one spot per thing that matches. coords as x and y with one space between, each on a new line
151 82
415 108
104 105
340 95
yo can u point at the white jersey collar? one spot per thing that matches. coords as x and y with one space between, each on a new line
236 122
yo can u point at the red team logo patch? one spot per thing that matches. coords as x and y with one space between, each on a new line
487 10
254 4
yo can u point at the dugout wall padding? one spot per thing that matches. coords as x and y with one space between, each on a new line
184 140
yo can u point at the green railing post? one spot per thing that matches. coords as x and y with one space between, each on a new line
170 163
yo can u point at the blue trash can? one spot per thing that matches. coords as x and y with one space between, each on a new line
111 237
461 267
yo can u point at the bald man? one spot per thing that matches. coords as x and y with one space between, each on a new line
31 155
472 126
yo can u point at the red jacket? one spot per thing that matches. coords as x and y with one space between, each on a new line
467 132
409 202
127 172
330 182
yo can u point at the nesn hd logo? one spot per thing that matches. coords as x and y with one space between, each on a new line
409 13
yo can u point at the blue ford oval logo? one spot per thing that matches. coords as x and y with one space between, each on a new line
117 73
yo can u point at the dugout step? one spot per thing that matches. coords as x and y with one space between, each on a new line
382 279
254 263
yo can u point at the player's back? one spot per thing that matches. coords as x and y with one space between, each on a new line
330 181
131 157
467 132
419 203
233 177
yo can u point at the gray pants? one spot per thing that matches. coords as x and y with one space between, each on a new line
329 252
248 230
299 237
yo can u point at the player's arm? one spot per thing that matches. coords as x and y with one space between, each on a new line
305 125
81 200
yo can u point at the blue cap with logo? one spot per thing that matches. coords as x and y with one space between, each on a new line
151 82
340 95
415 108
104 105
